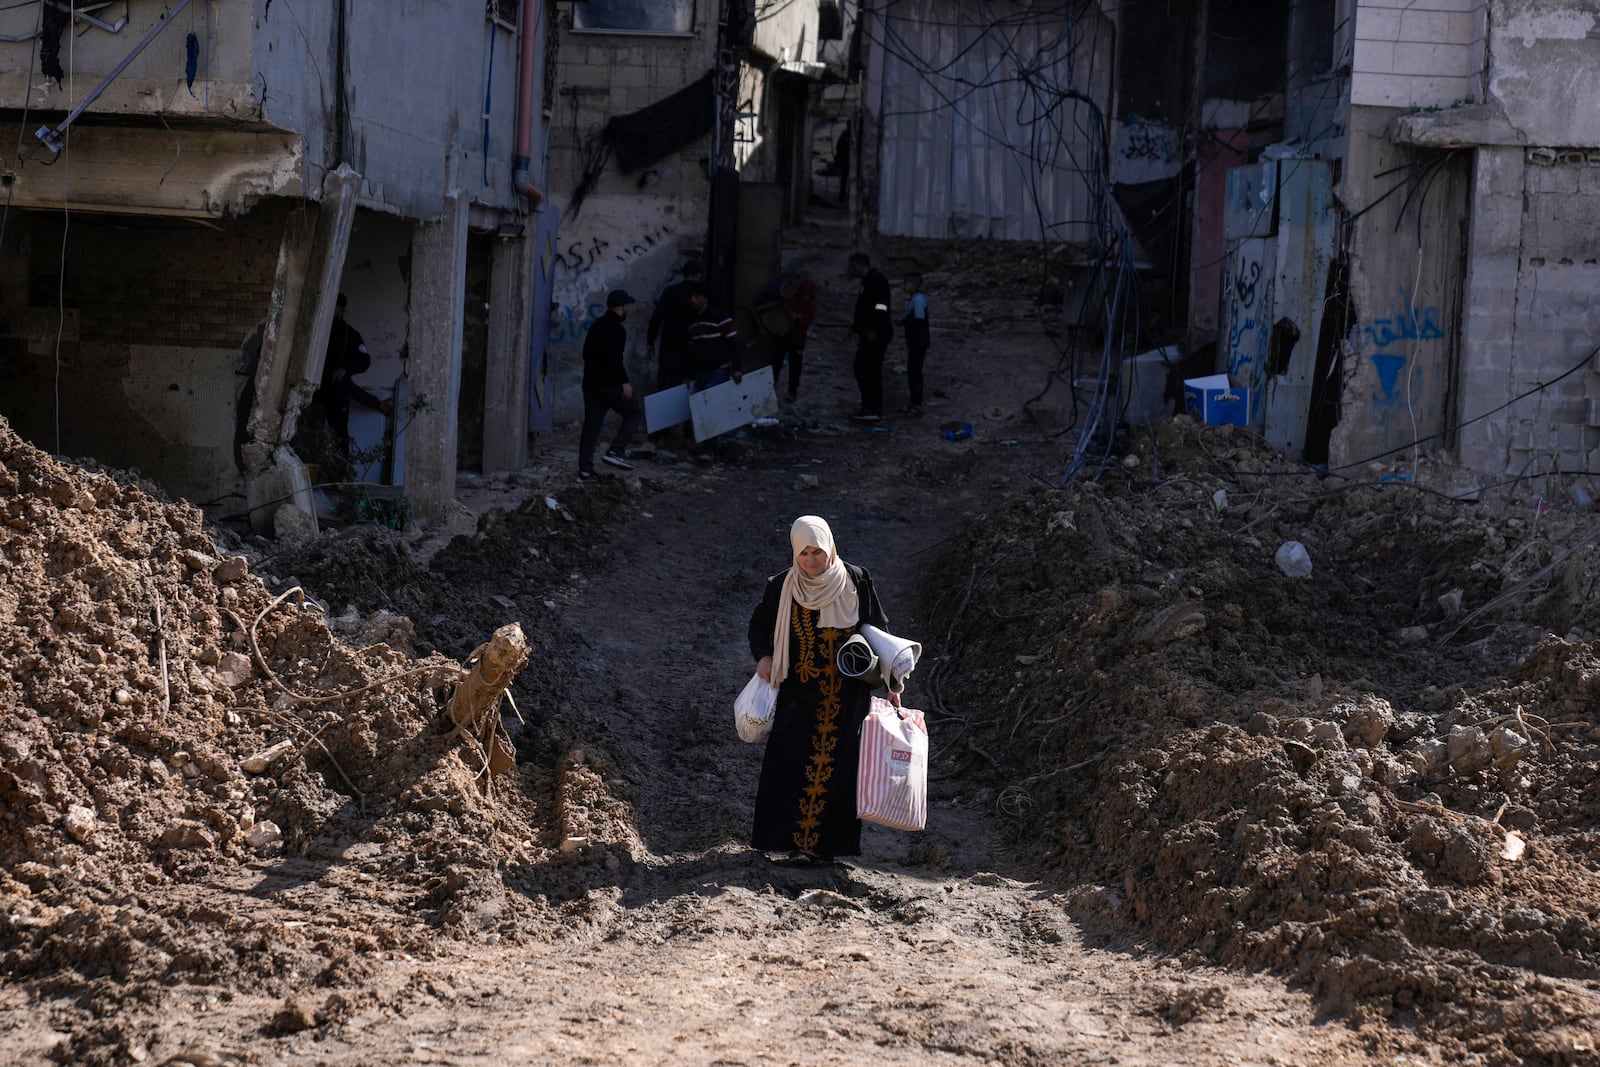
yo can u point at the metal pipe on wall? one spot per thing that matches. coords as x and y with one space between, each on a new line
522 156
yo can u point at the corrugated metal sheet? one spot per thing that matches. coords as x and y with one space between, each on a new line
984 129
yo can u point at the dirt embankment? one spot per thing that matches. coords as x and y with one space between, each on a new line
168 725
1344 777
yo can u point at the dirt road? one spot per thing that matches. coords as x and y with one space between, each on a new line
1104 832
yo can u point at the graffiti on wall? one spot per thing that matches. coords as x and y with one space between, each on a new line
1393 343
571 323
1248 286
587 267
1148 140
582 256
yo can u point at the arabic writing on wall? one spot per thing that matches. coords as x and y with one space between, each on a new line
1394 344
1249 289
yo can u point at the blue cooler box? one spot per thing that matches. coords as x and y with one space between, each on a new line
1217 400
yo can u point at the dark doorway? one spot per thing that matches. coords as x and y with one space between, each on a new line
1328 378
792 149
474 353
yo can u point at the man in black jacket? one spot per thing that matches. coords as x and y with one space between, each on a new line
667 339
874 330
606 387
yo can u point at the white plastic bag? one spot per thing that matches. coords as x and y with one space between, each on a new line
892 779
753 709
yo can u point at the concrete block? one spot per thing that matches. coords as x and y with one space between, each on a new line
1495 238
587 75
1465 28
1377 23
631 77
1582 211
1373 57
1424 26
1559 179
1380 90
1432 60
1568 409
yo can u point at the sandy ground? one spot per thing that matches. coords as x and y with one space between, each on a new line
1184 809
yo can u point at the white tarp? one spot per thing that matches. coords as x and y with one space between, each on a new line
988 129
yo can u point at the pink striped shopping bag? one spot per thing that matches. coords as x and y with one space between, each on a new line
892 780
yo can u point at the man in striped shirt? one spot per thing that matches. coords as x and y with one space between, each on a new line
713 343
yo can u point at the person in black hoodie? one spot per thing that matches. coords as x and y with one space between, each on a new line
606 387
874 329
667 338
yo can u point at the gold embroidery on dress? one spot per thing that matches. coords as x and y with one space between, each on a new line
816 660
805 628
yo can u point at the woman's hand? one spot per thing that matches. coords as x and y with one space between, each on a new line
764 668
893 698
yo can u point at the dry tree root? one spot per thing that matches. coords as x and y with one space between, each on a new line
475 706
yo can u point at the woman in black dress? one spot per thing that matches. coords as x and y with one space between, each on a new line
806 801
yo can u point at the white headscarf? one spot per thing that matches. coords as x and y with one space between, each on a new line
831 594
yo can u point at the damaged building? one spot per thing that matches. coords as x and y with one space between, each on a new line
681 130
1376 216
194 185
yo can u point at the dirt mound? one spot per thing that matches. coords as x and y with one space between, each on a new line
1346 777
170 728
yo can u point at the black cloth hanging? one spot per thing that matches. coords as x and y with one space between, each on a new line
55 24
639 139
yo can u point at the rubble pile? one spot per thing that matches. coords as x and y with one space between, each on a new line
1355 777
169 726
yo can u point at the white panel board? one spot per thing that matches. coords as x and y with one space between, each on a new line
666 408
732 404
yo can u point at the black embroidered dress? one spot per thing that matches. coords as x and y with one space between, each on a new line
806 801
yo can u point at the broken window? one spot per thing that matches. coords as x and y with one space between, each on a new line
635 16
505 13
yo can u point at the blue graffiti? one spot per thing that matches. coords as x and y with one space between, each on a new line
570 324
1249 339
1248 288
1406 322
1389 367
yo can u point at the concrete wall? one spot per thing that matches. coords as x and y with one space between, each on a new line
1405 252
787 34
418 77
1532 315
125 344
1532 271
631 231
1418 53
153 83
1546 69
784 42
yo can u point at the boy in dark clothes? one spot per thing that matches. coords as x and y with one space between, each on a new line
915 325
